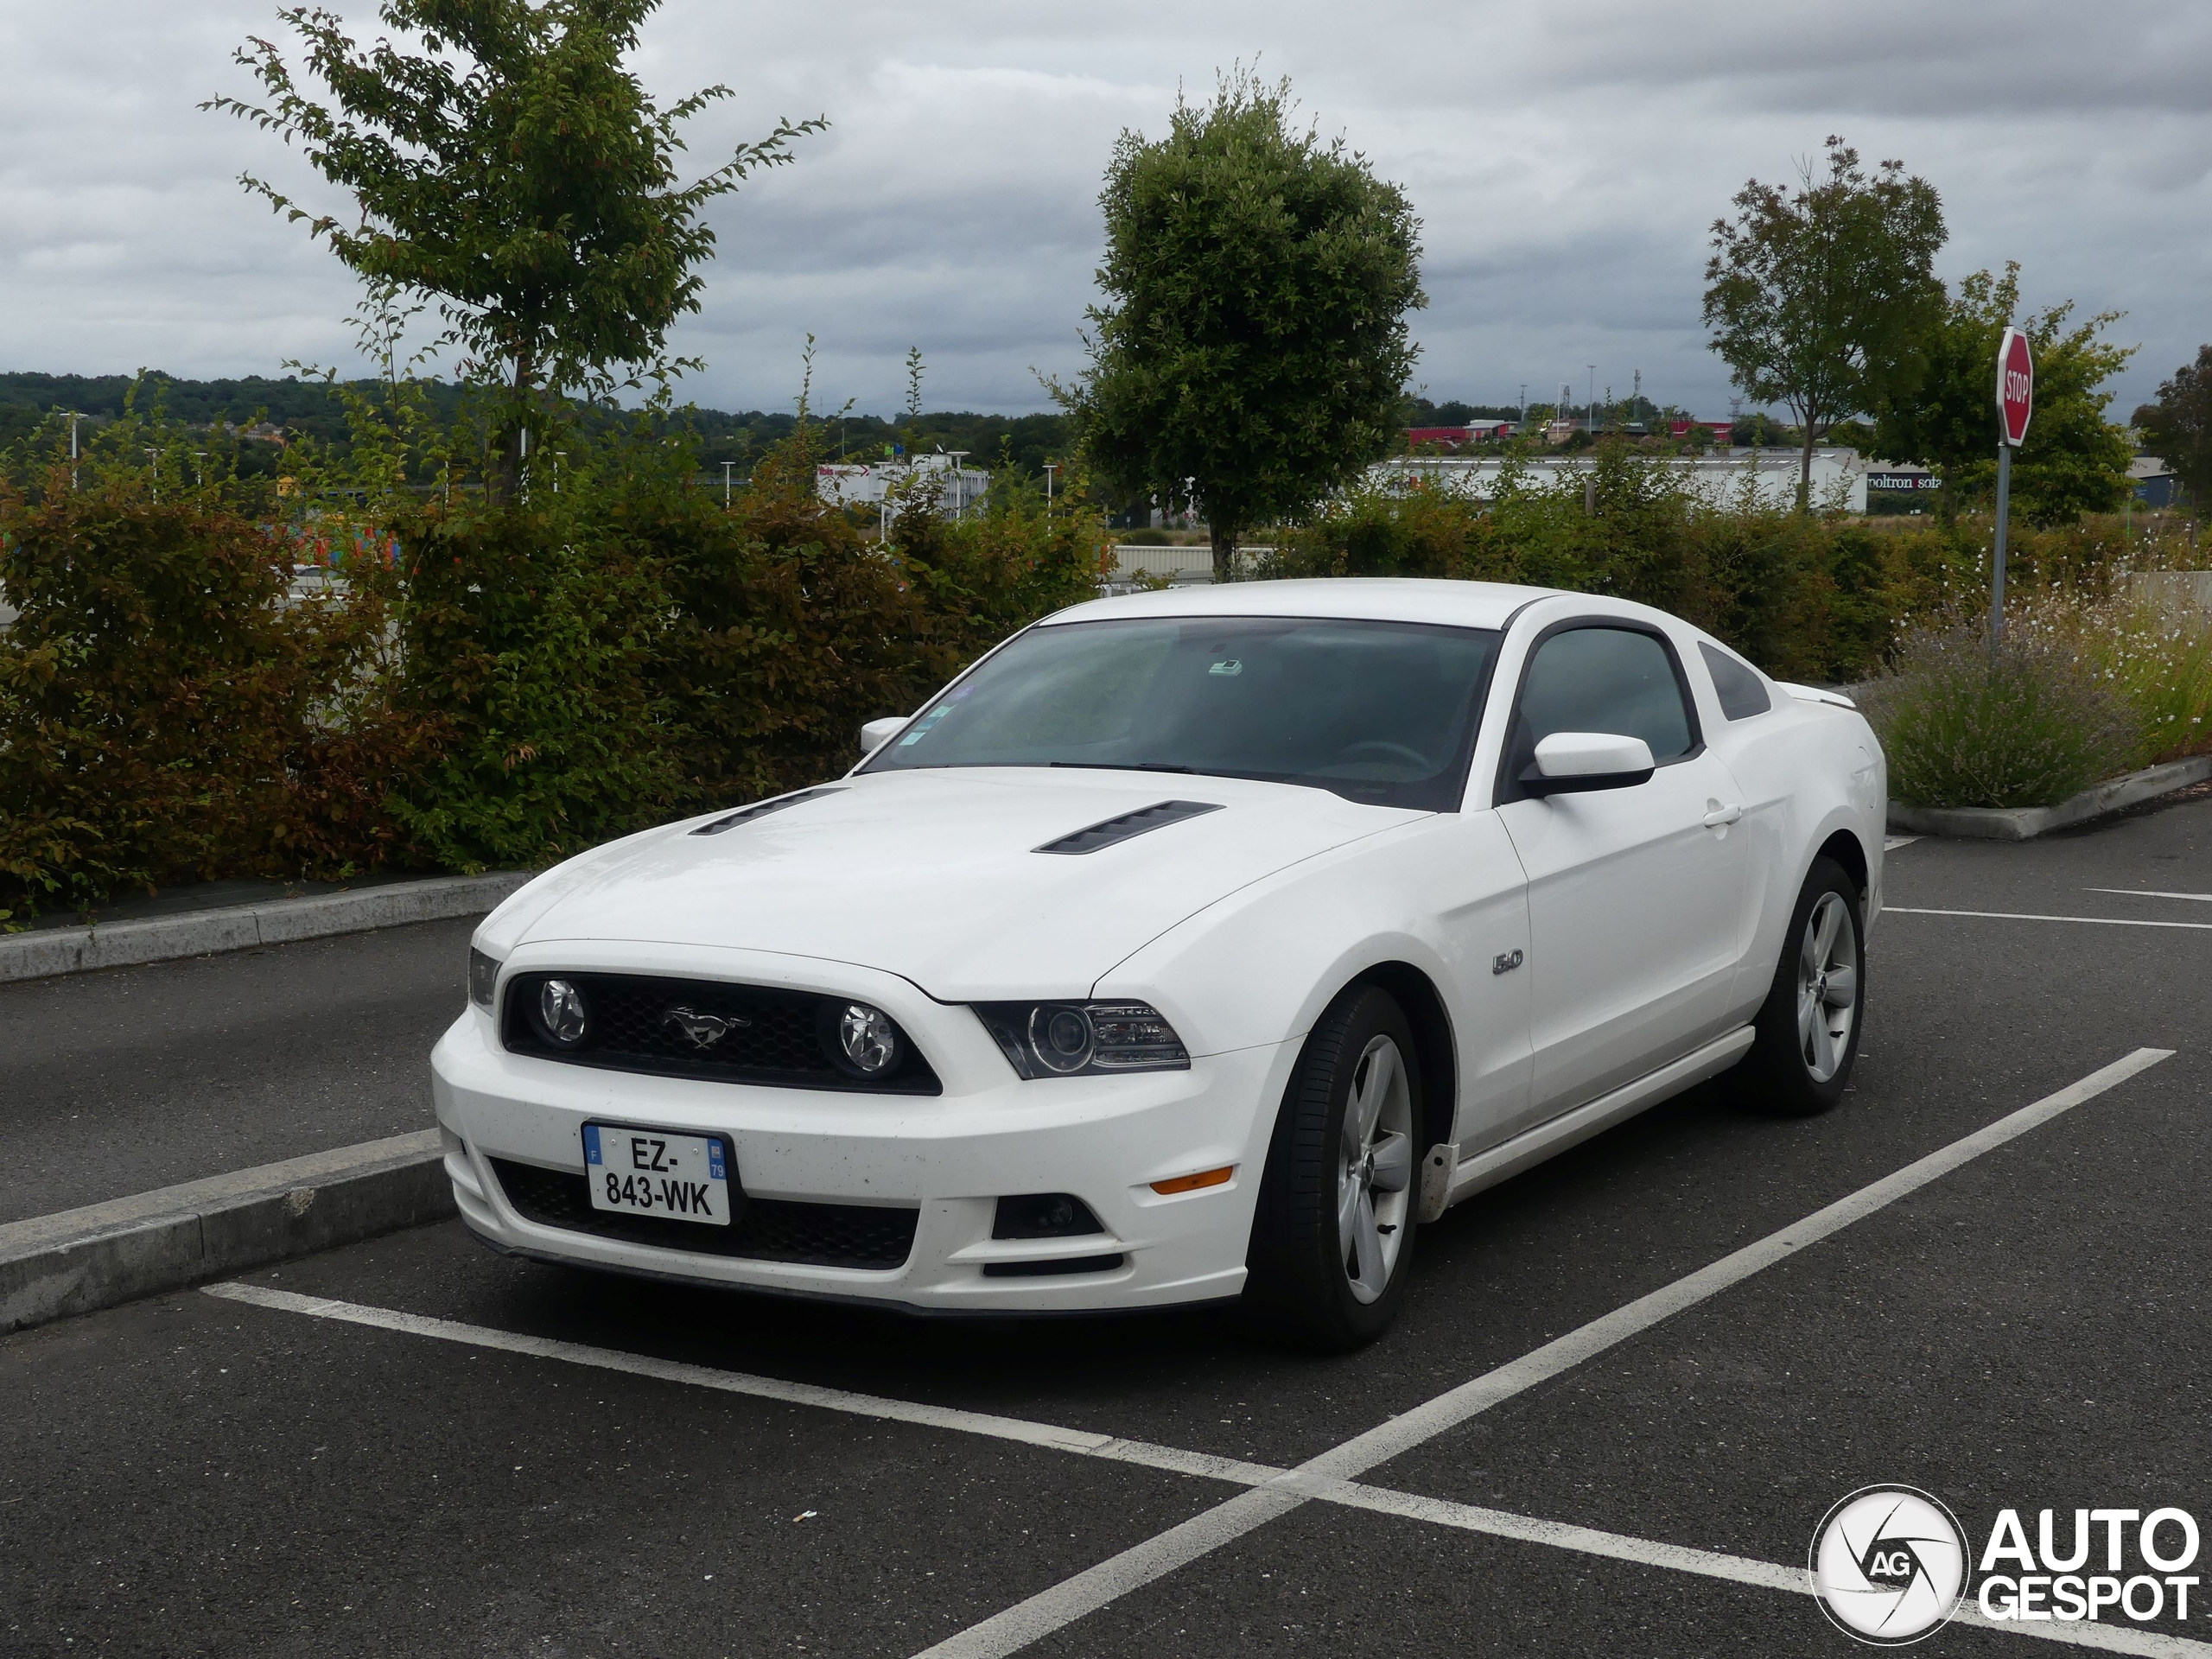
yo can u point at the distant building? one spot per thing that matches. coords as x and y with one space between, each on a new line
1768 476
872 483
1891 487
1720 432
2154 481
1475 432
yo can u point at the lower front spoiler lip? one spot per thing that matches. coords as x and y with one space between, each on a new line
877 1304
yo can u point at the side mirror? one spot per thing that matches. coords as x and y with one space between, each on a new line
1571 762
877 732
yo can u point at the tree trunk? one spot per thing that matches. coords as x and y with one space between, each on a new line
1223 537
1805 471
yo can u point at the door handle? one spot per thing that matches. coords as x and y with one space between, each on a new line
1721 816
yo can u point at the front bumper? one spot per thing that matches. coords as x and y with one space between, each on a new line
946 1158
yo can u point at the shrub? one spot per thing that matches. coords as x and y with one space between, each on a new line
2155 654
167 711
2029 728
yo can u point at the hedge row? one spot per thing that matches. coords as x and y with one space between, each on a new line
1808 597
502 686
518 684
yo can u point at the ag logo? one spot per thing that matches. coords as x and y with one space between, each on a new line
1889 1565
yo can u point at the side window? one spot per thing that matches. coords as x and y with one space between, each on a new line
1602 679
1743 694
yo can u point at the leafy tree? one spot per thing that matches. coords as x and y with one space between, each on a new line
2074 460
1818 298
513 171
1252 345
2179 425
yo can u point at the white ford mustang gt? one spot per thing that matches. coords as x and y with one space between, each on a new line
1191 946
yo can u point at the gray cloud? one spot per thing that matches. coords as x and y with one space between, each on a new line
1566 162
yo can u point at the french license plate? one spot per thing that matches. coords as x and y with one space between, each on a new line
657 1172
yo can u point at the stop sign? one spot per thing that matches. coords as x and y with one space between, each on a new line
2015 387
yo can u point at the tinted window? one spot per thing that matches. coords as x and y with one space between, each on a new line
1376 711
1602 680
1743 694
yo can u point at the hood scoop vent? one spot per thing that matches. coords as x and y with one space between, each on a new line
759 810
1158 816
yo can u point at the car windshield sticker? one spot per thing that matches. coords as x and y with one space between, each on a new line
923 729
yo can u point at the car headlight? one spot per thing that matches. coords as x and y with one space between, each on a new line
483 976
1074 1039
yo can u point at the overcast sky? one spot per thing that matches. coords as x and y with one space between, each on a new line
1567 161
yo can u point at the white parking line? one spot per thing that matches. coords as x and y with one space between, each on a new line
1893 842
1330 1478
2022 916
1087 1592
2142 893
1081 1441
1736 1569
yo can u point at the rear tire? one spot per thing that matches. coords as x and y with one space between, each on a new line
1809 1026
1333 1241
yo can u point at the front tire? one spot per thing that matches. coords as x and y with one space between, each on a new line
1332 1241
1809 1026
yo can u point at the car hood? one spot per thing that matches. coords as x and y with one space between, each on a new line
933 875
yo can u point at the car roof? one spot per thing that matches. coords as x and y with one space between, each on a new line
1366 599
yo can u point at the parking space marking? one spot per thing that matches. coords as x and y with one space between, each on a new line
1276 1490
2022 916
1736 1569
1051 1610
1081 1441
2144 892
1893 842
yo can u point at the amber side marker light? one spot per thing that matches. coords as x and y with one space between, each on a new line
1193 1183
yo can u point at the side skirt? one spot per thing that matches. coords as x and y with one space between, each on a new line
1533 1146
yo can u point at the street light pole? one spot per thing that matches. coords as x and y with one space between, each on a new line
726 467
1050 466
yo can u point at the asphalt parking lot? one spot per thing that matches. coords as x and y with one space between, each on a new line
412 1446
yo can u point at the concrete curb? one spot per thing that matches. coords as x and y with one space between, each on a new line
52 1267
237 927
2024 823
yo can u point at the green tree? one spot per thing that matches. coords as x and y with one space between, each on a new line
2178 427
1253 347
514 172
1819 298
2074 460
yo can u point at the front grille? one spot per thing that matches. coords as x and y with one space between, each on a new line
773 1036
871 1236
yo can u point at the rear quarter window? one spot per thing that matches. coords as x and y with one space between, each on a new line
1742 692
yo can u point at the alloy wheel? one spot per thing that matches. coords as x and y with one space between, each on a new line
1828 987
1375 1167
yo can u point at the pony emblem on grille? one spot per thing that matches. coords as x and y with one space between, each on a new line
702 1031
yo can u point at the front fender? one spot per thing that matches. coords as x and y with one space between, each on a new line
1444 895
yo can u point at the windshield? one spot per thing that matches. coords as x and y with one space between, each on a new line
1379 712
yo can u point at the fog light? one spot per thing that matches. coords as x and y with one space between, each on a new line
562 1017
868 1038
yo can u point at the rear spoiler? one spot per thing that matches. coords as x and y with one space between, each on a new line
1815 694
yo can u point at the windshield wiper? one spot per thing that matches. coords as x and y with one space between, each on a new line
1123 765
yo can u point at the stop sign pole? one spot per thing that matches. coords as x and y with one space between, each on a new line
2016 400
